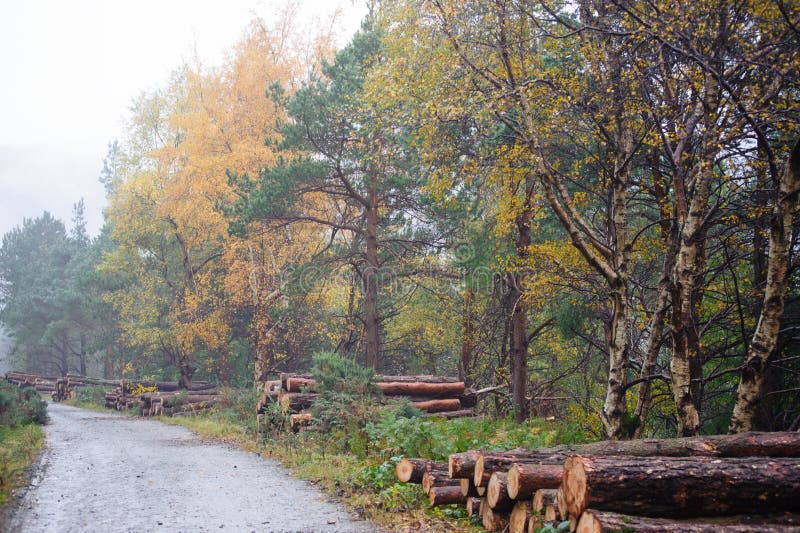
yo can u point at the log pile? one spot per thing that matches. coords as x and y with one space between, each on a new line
44 385
161 398
446 397
688 484
167 397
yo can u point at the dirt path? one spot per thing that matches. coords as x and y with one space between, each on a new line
107 473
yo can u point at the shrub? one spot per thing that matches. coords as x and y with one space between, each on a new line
95 394
348 401
21 406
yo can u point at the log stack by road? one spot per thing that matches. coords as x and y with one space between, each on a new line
149 397
728 483
44 385
435 395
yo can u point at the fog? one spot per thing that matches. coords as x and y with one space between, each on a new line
70 70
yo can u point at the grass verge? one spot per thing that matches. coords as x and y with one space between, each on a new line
355 442
18 448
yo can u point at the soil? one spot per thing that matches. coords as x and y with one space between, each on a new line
107 473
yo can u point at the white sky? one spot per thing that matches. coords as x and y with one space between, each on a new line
69 69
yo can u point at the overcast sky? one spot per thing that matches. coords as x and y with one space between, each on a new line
70 69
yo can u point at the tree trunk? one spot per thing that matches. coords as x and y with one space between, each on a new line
473 505
371 271
462 465
223 365
82 354
618 357
432 390
519 517
489 463
681 487
497 492
524 479
661 304
765 338
296 401
446 495
411 470
519 314
438 478
593 521
494 520
467 340
468 488
438 406
108 362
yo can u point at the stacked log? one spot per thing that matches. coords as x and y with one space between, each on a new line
120 396
44 385
441 396
688 484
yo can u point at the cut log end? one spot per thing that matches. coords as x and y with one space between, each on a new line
477 477
494 520
497 494
576 496
473 506
520 515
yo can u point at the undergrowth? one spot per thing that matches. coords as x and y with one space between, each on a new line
21 436
357 437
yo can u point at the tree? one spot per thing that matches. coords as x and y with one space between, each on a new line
341 169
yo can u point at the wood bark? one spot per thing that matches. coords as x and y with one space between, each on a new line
296 401
410 470
593 521
765 337
299 420
494 520
524 479
681 487
488 463
468 337
422 378
748 444
298 384
497 492
370 277
446 495
286 376
462 465
419 388
438 406
438 478
545 504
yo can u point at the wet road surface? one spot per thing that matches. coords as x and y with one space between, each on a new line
106 472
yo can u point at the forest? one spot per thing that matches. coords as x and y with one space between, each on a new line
590 205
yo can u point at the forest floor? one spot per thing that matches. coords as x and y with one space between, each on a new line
109 472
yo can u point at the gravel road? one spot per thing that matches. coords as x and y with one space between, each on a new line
108 473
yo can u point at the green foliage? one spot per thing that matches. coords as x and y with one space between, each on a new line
348 402
17 449
94 395
337 375
437 438
20 406
561 527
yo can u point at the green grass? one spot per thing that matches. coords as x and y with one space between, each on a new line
352 458
18 448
